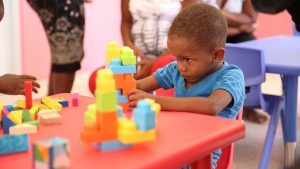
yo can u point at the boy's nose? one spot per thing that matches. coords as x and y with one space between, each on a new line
181 67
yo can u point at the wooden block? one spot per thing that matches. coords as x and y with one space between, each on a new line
23 129
45 112
51 119
28 94
51 103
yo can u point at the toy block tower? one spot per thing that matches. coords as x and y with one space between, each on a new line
122 63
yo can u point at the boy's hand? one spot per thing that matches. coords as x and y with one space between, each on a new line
14 84
146 66
135 95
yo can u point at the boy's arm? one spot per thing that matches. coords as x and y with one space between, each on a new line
147 84
212 105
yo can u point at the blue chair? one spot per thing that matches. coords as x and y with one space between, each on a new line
252 63
296 33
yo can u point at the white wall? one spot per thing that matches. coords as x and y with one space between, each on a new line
10 55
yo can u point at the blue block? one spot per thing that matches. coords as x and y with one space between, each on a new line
112 145
13 143
9 107
120 111
144 116
6 124
116 67
122 99
64 103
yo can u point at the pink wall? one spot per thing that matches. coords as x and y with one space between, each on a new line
103 25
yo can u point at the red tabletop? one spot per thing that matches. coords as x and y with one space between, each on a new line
181 138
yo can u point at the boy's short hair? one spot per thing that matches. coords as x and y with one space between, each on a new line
201 23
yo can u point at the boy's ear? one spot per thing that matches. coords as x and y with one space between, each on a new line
219 54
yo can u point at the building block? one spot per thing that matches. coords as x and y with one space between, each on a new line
23 129
127 56
128 133
107 121
36 123
154 106
112 145
122 99
43 107
51 103
120 111
9 107
1 107
28 94
144 116
34 111
65 103
75 100
116 67
5 112
44 112
53 153
13 143
21 104
106 101
90 121
51 119
6 124
26 116
105 81
112 52
16 116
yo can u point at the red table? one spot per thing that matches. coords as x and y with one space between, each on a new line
181 138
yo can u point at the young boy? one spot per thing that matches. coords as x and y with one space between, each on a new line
203 82
14 84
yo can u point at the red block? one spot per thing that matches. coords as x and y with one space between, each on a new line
28 94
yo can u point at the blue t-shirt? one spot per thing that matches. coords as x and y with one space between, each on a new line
229 77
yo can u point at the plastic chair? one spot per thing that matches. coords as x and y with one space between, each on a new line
226 159
251 61
296 33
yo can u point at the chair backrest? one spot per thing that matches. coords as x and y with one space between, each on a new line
252 63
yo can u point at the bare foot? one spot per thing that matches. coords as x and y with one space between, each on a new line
255 115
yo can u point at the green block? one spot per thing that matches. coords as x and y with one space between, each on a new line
36 123
127 56
106 101
37 154
26 116
128 60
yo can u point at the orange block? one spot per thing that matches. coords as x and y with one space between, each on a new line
128 77
108 124
128 85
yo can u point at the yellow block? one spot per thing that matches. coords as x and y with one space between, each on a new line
21 104
105 81
34 109
43 107
156 107
16 116
128 133
112 51
51 103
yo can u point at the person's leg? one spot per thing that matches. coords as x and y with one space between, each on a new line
60 82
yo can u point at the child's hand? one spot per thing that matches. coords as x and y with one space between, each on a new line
14 84
135 95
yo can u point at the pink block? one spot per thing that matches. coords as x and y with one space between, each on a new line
5 112
75 99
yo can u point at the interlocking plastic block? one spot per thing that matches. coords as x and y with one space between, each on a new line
36 123
120 111
108 123
122 99
112 145
21 104
75 100
26 116
127 56
64 103
116 67
23 129
106 101
52 153
6 124
33 111
16 116
13 143
90 121
144 116
105 81
112 51
154 106
128 133
28 94
51 103
51 119
9 107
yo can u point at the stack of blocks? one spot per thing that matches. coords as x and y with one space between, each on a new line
52 153
104 122
122 62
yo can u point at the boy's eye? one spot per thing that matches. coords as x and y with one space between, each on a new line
188 59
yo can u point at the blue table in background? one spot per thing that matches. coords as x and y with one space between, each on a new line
282 56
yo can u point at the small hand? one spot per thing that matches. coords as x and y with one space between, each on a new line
14 84
248 28
135 95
